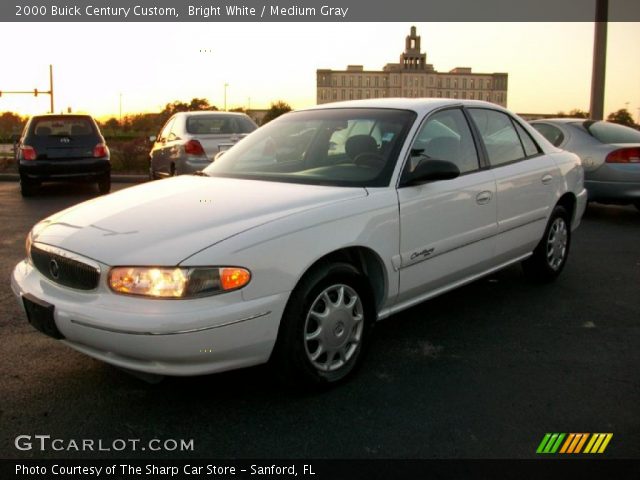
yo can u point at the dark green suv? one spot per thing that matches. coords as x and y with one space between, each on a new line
62 148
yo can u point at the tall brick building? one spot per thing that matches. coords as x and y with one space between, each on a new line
411 77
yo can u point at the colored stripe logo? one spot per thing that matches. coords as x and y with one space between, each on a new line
573 443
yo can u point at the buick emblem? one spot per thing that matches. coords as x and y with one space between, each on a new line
54 269
64 140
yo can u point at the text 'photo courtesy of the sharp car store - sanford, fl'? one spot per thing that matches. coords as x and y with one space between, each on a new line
320 239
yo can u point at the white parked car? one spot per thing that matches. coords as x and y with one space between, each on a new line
291 245
190 141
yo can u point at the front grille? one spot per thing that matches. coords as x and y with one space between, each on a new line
65 271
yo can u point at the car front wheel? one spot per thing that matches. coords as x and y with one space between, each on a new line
550 256
325 327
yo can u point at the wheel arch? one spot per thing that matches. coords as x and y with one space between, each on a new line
568 201
366 261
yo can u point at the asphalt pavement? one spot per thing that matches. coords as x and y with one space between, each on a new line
481 372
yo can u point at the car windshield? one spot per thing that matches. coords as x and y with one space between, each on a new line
608 132
219 124
341 147
62 126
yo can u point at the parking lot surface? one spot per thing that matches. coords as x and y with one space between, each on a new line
481 372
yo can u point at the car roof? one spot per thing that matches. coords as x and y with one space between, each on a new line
564 120
420 105
62 115
211 112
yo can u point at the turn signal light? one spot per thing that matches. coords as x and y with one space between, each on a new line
624 155
28 153
232 278
100 150
194 147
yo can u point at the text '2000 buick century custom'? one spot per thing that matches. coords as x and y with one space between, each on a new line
293 243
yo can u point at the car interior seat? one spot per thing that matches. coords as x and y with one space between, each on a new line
43 131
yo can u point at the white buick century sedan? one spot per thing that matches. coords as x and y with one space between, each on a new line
292 244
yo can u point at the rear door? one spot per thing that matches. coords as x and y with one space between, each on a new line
448 227
68 137
526 181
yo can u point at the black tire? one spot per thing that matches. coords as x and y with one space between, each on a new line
344 336
104 184
550 256
27 187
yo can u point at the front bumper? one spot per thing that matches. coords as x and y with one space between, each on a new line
164 337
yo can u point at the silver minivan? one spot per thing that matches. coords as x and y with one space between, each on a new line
189 141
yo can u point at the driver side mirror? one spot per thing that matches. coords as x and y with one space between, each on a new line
431 170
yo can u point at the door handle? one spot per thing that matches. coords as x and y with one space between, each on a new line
546 179
483 197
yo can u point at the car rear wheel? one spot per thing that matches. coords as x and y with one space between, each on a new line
550 256
27 187
325 328
104 184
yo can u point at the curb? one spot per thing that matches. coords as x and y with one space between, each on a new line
14 177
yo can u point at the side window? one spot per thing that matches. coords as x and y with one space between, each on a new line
530 147
446 136
164 133
173 131
499 136
551 133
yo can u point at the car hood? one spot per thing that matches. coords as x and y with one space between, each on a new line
164 222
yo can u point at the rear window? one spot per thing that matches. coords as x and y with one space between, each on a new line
219 124
607 132
62 127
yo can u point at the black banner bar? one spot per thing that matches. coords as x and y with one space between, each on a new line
319 469
314 11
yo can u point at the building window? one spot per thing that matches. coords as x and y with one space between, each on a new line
471 82
464 95
334 95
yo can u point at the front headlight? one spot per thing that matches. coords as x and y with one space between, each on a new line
177 282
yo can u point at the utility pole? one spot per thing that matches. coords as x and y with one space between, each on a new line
120 105
51 86
599 60
225 96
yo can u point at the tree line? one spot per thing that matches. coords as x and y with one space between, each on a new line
146 124
139 124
